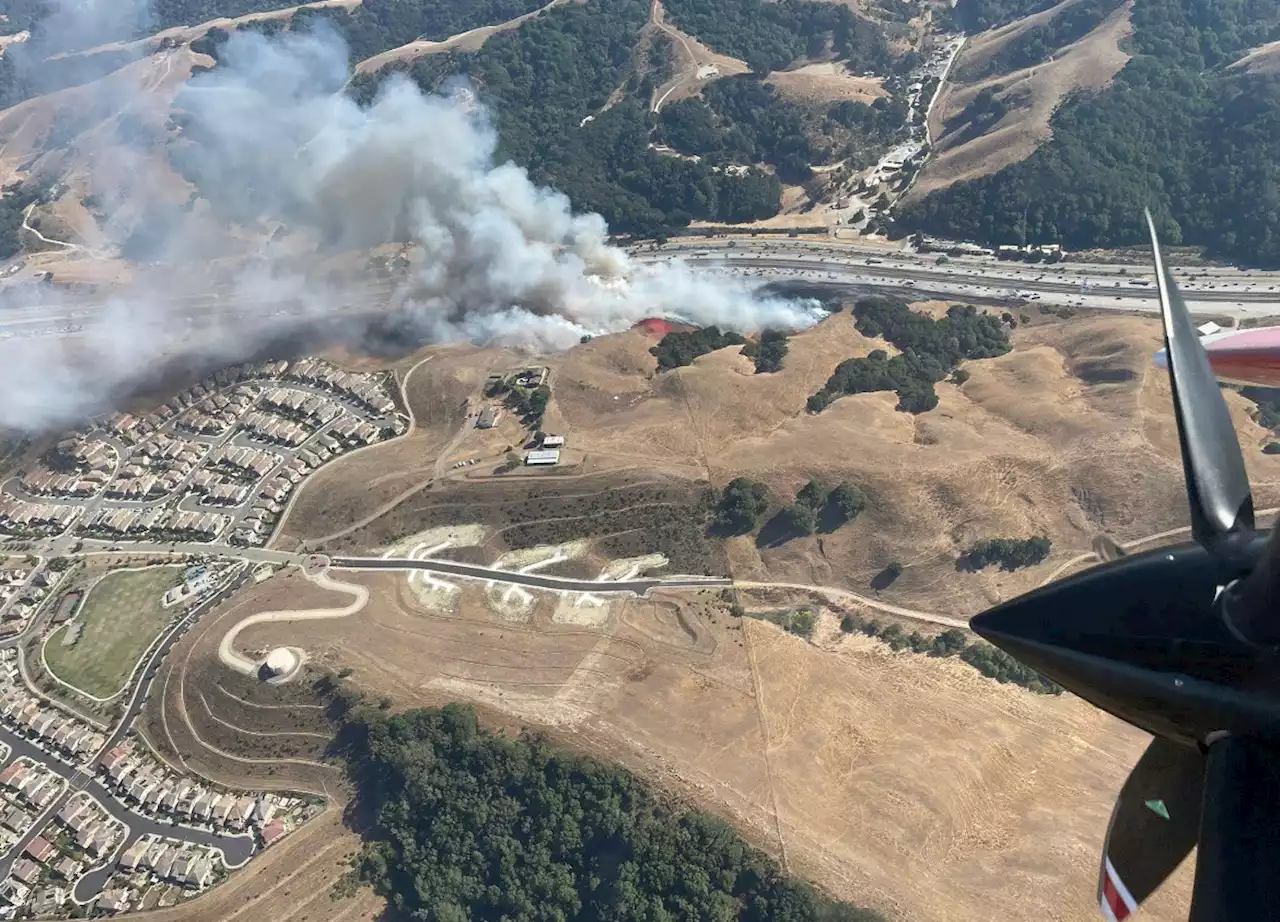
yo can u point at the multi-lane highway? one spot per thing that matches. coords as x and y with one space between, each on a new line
815 259
1208 290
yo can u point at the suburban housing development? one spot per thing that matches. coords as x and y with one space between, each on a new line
216 464
90 816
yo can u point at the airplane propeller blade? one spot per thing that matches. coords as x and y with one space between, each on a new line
1183 642
1217 485
1153 827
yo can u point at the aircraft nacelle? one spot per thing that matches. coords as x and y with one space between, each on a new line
1240 356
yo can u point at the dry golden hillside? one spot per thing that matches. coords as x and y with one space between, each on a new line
907 783
1068 435
1031 95
897 781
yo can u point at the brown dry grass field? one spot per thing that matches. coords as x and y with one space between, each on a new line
1032 94
825 83
1069 435
911 784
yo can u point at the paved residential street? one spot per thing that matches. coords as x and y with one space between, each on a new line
640 587
236 849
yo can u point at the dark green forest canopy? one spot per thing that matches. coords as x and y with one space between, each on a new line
546 78
21 15
744 120
166 13
681 348
570 92
160 14
478 826
930 350
13 202
379 25
1176 131
979 15
372 27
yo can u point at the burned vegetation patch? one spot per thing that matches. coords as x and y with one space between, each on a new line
626 515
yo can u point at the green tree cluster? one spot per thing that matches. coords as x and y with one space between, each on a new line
1177 130
798 621
681 348
768 352
979 15
816 509
1009 553
14 200
990 661
481 826
931 349
797 519
982 114
745 120
1267 401
846 502
529 403
740 507
772 36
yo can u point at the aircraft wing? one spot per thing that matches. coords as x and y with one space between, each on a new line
1241 356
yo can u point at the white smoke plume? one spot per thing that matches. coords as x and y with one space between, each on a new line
271 139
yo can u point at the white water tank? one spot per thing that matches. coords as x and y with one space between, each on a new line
281 661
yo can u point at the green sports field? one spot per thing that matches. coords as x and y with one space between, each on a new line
122 615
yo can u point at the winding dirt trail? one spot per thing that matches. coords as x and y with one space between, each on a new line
845 594
26 215
227 653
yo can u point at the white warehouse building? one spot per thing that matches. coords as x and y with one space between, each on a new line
551 456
